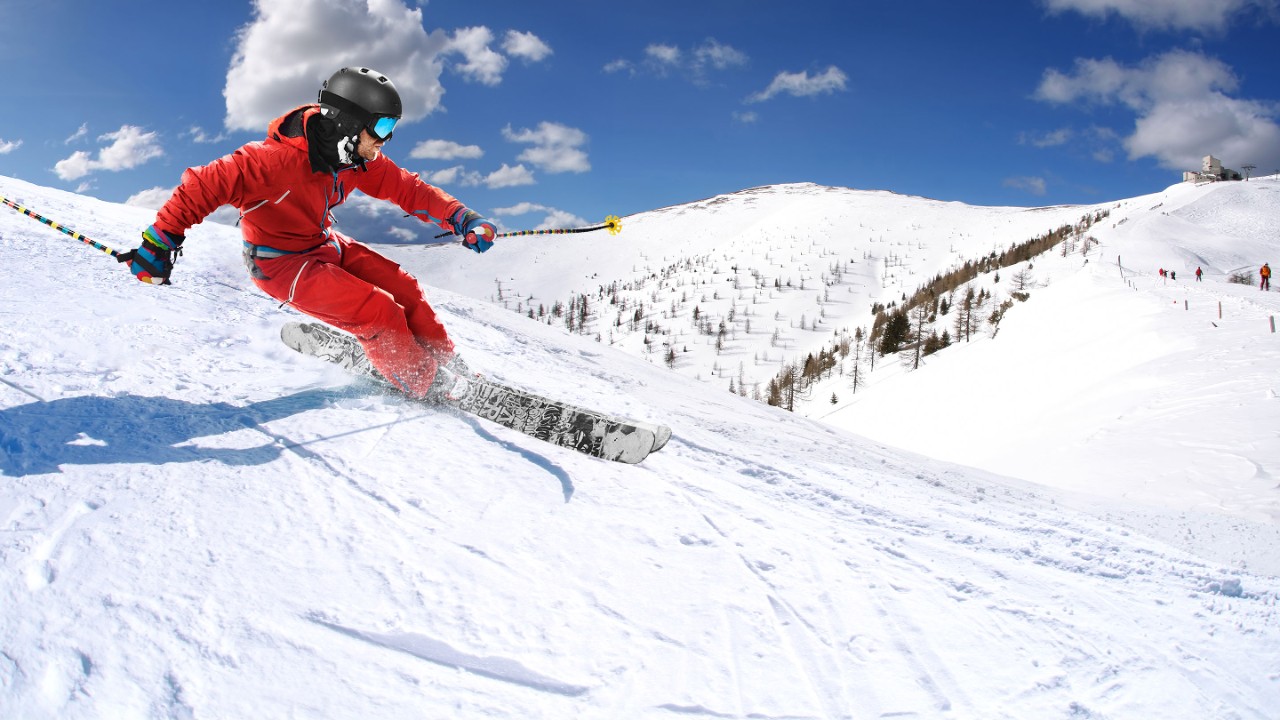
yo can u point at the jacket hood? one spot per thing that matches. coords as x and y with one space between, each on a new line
290 128
304 128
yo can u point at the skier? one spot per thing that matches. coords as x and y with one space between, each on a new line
285 187
1199 272
1265 272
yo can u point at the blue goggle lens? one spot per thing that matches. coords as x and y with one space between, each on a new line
382 127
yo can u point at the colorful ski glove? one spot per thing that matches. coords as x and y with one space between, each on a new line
477 233
152 261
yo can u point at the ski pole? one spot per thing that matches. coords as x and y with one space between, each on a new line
61 228
611 223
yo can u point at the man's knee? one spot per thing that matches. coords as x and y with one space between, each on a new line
376 313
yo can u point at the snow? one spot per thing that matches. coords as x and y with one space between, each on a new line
1075 518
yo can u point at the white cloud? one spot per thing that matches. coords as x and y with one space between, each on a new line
663 54
456 175
523 208
81 132
1174 76
1051 139
198 135
129 148
554 218
154 198
508 176
370 206
1200 15
746 118
290 47
695 63
620 65
526 46
717 55
713 55
1098 142
151 198
224 215
801 84
1182 107
1032 185
8 146
1239 132
556 148
402 234
480 62
77 166
444 150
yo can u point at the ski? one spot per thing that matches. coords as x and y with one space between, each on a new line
587 431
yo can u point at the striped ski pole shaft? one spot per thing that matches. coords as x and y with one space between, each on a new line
61 228
611 223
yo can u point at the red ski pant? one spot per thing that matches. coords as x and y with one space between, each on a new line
350 286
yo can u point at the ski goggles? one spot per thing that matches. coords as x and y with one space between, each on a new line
381 127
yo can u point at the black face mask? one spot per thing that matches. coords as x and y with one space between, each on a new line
323 136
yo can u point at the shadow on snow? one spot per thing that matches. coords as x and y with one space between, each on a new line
90 430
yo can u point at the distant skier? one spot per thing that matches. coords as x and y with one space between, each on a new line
1265 272
1199 272
313 157
1173 274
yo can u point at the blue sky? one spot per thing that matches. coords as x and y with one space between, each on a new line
559 112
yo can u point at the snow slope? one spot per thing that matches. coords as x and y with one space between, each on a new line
1116 381
1111 380
195 522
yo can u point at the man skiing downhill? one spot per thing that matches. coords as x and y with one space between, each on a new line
285 188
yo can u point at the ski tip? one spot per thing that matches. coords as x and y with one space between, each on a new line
635 444
660 437
628 444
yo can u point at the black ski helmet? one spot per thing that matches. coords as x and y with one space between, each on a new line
355 97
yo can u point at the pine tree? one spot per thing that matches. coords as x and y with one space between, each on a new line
857 358
896 330
921 315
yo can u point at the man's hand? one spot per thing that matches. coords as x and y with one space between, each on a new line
152 261
477 233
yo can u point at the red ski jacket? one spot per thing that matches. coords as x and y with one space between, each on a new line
283 203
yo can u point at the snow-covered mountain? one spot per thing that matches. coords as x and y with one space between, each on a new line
195 522
1086 367
785 269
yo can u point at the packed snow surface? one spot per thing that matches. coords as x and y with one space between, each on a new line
1074 518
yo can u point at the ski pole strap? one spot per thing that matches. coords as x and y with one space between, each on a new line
60 228
612 223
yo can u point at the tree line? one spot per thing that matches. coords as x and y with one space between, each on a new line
913 324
